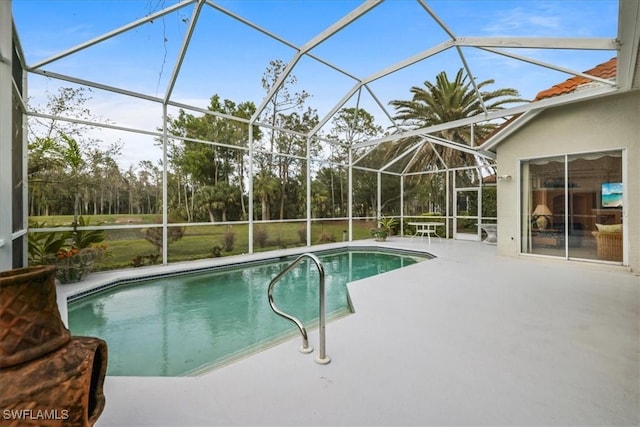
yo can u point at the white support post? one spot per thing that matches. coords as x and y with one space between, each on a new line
308 191
350 195
250 212
401 205
479 196
625 208
379 207
447 203
566 207
165 188
6 136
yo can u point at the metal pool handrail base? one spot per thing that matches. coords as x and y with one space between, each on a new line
322 358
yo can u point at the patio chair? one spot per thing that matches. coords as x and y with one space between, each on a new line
609 244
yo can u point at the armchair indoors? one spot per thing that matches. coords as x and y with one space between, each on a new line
609 242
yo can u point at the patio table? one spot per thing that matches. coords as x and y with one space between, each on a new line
427 228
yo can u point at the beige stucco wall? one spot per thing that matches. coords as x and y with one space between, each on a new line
611 122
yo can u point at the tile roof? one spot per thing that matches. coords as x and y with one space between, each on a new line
605 70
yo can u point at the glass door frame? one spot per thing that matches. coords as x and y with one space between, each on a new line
524 218
477 216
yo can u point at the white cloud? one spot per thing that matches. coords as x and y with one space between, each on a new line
519 21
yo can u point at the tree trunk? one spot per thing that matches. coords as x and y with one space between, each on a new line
283 195
343 205
85 201
283 186
193 200
333 197
241 179
265 209
186 203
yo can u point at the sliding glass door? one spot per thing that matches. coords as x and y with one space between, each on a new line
572 206
542 207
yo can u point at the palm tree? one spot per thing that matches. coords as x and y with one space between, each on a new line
265 186
443 102
72 155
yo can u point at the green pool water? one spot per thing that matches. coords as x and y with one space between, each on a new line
188 323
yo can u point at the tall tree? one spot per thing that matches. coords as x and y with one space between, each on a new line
72 156
204 170
284 110
63 160
265 188
349 126
282 100
44 161
295 144
150 186
445 101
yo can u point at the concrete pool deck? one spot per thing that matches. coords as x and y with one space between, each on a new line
467 338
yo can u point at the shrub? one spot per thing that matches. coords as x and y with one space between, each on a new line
279 242
326 237
215 251
44 245
228 240
260 236
141 260
302 234
154 235
387 223
87 238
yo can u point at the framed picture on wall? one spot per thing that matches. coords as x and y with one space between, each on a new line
611 195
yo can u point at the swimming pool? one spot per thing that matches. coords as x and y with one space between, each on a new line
187 323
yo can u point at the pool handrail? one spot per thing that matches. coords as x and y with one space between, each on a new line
322 358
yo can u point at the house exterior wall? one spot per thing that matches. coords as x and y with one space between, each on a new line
611 122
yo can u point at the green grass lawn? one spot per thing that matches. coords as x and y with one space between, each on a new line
205 241
111 219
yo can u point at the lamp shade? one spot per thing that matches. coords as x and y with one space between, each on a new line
542 210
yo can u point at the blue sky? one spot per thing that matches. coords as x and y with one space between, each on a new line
228 58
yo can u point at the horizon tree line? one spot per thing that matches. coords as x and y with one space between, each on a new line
208 167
